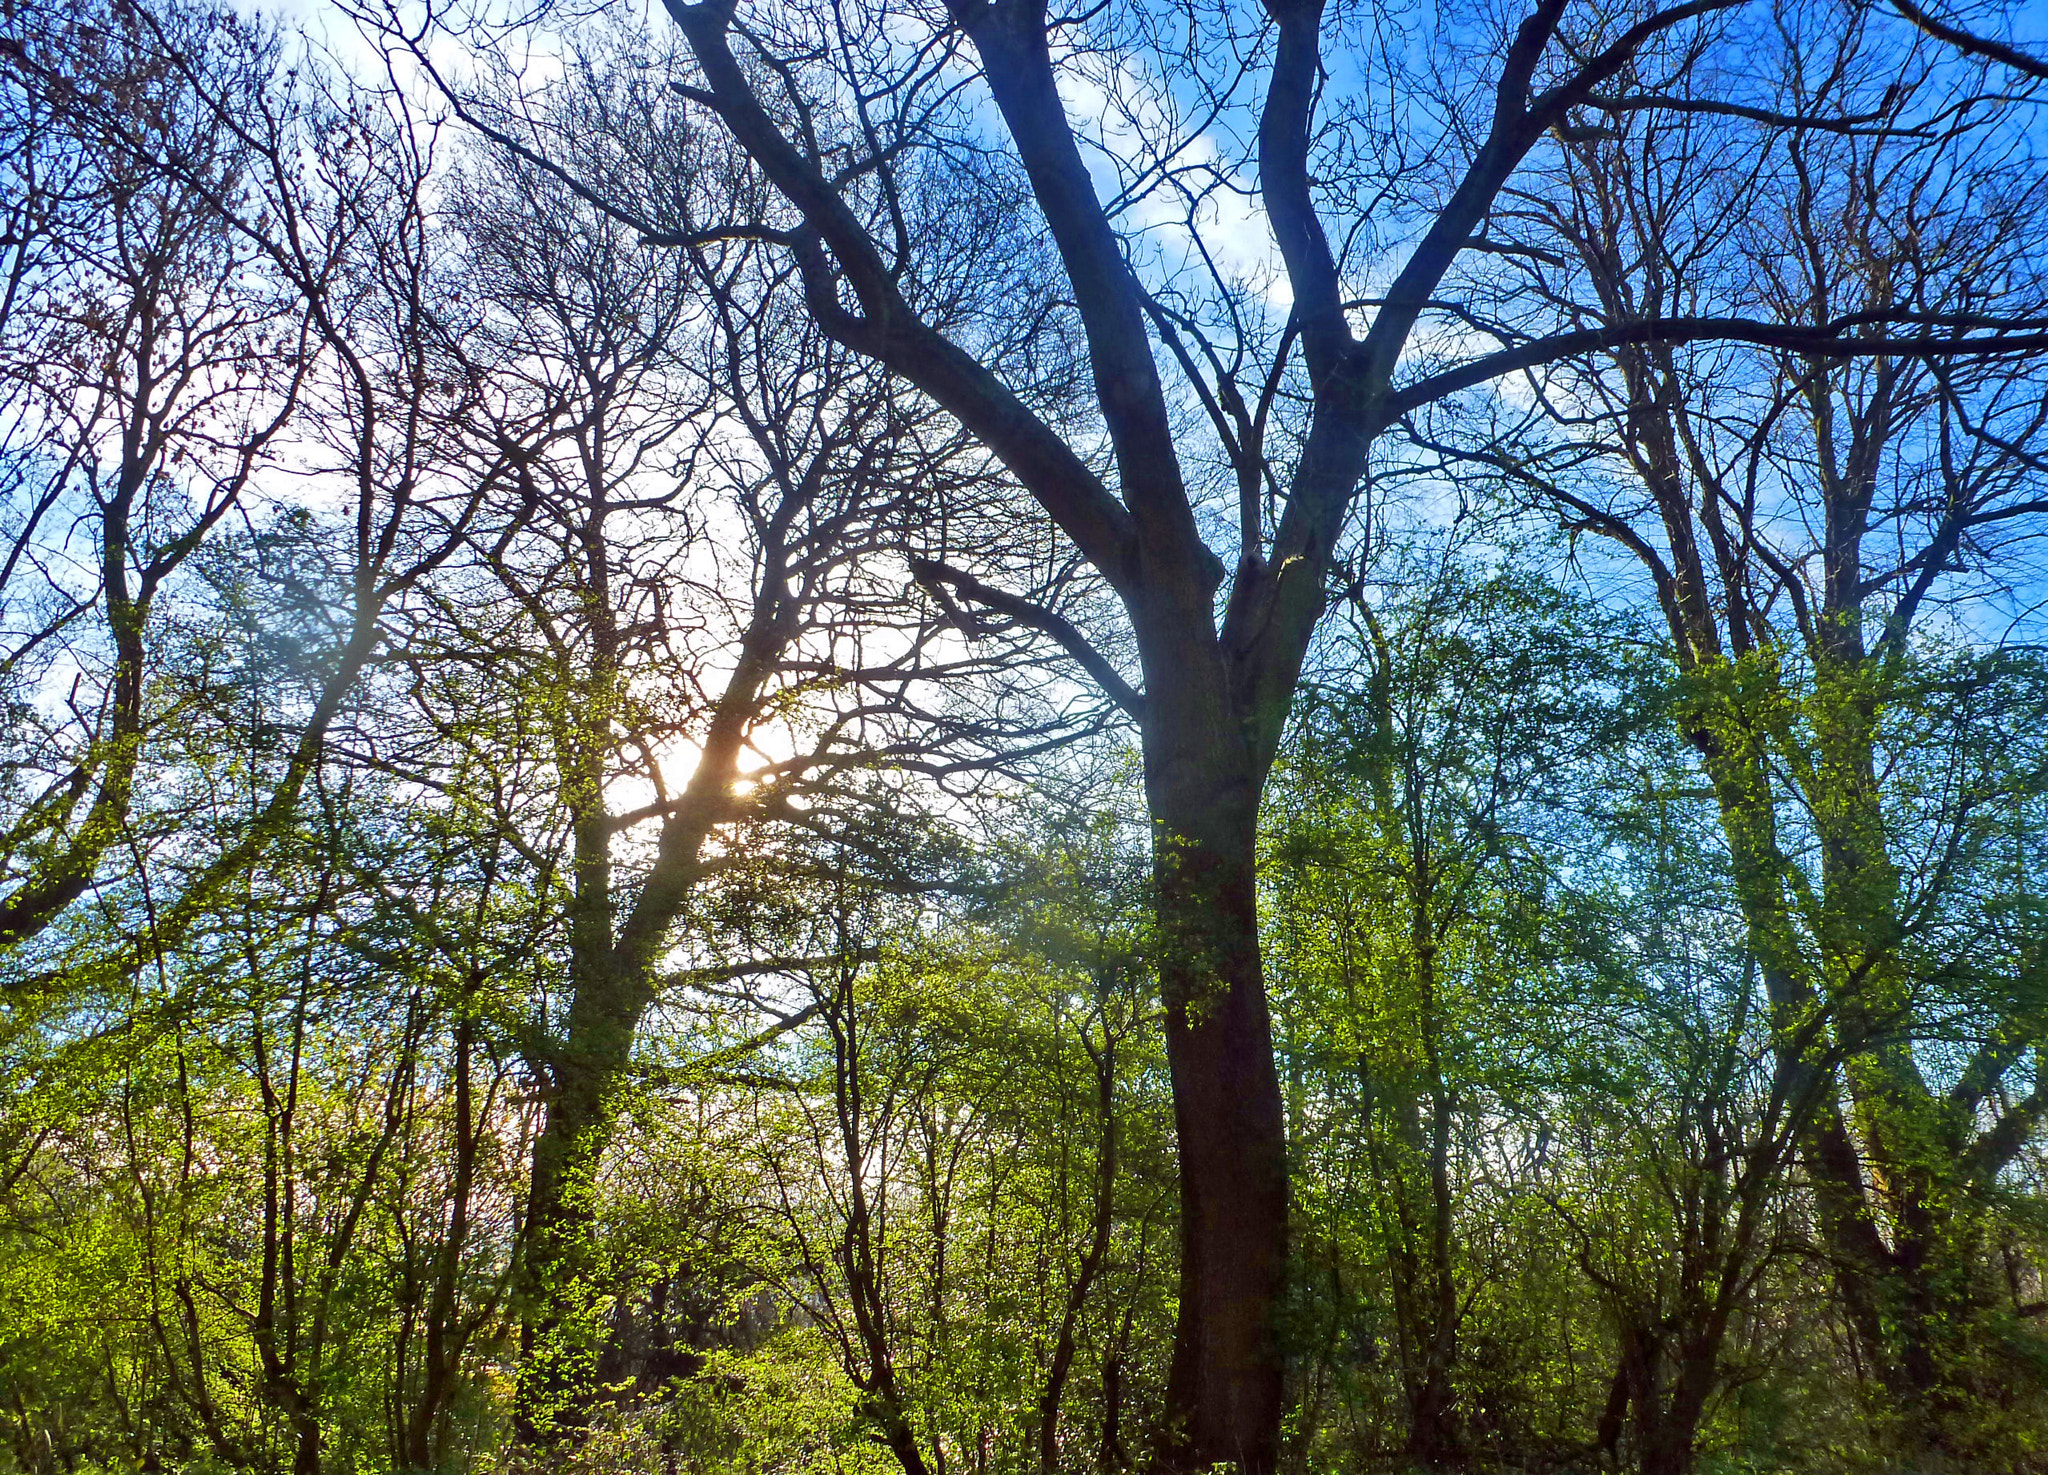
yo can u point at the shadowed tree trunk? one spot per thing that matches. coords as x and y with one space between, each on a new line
1227 1368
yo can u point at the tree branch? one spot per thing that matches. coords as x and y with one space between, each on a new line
1972 43
891 332
935 576
1817 342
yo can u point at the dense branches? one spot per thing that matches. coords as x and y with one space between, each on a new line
909 736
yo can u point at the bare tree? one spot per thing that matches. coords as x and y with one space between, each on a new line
152 363
685 616
281 308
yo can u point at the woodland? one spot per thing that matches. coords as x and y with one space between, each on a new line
950 737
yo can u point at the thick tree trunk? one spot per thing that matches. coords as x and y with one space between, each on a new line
1225 1386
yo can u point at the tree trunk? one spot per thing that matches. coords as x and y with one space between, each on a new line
1432 1431
1634 1390
614 965
1091 1262
1668 1448
424 1425
1225 1387
562 1330
1734 763
1927 1298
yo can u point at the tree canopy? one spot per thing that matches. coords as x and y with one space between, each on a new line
942 735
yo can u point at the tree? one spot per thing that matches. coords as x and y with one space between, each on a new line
680 577
266 229
151 364
854 118
1804 521
1436 887
951 1164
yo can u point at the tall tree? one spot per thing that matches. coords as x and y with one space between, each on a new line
252 287
689 571
1805 520
151 362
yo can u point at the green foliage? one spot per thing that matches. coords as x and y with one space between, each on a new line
553 937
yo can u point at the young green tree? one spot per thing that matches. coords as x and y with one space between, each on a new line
1809 523
1419 845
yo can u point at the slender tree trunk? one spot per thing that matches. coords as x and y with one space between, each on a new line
1432 1432
1908 1298
1110 1453
1634 1397
615 961
424 1425
1614 1413
1091 1262
562 1332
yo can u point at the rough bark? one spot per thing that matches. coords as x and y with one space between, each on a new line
1203 782
1225 1383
